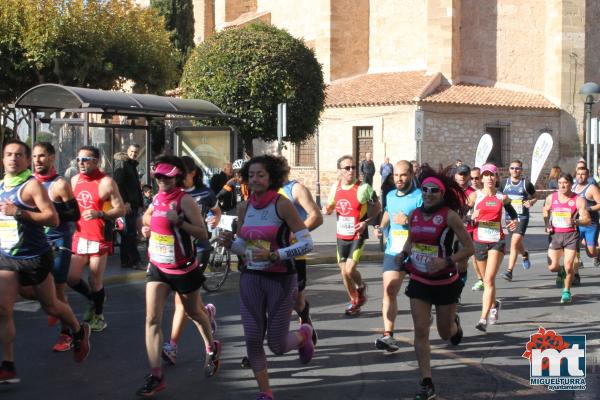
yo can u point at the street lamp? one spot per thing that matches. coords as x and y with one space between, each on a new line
590 91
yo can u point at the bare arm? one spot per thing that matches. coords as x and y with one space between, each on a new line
34 193
147 218
306 201
584 215
594 192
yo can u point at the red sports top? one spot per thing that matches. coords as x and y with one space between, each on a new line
349 211
88 198
562 213
488 228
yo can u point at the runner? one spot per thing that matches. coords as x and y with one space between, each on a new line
26 257
488 238
268 282
462 174
475 185
309 212
61 195
429 257
171 222
99 205
207 201
399 204
521 193
559 213
349 197
588 234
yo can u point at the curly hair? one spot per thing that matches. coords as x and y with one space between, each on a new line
277 167
454 197
175 161
191 166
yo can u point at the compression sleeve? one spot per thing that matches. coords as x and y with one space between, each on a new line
68 211
238 246
303 245
511 211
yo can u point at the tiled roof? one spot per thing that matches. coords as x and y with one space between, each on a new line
488 97
377 89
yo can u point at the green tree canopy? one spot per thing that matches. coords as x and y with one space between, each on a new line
179 21
248 71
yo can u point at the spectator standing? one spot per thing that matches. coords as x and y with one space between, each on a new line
553 178
128 181
227 201
367 169
386 169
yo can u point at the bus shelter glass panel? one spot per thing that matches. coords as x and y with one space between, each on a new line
209 147
66 139
101 138
125 137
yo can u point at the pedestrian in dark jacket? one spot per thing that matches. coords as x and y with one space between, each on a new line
227 201
367 169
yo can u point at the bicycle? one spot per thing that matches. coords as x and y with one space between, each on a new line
218 267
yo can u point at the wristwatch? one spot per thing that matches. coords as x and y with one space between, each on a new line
273 256
18 213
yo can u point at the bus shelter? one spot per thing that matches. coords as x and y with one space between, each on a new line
71 117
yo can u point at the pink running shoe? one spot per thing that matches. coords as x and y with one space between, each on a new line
307 350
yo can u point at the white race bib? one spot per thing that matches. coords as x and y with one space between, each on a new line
421 254
345 226
162 248
488 231
253 264
85 246
561 219
9 233
398 239
517 205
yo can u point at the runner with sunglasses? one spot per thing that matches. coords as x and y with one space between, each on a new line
488 237
99 204
350 199
431 258
522 197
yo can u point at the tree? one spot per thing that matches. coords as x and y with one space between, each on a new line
248 71
179 21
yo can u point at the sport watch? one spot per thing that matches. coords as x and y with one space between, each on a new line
273 256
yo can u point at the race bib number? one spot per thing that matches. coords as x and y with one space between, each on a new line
85 246
345 226
517 205
488 231
9 233
257 244
398 239
561 219
421 254
162 248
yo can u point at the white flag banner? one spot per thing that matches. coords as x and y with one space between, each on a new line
541 150
484 148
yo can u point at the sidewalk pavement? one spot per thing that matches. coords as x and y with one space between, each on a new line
536 240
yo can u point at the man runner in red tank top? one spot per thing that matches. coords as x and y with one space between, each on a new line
99 204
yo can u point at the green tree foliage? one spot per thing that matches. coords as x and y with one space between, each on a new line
248 71
93 43
179 21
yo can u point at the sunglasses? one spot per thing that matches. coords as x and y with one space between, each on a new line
160 176
349 168
85 159
430 189
516 168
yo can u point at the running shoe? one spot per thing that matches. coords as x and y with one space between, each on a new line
478 286
89 312
566 297
245 362
507 275
264 396
8 376
81 343
97 323
64 343
306 319
457 338
426 392
387 343
169 353
494 313
576 280
211 310
481 325
307 350
526 263
352 309
362 295
596 262
152 386
213 361
52 320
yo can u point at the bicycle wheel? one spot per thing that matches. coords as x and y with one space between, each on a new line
217 269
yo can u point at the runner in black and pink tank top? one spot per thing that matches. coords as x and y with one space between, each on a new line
563 212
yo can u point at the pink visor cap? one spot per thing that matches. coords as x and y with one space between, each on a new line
489 168
166 170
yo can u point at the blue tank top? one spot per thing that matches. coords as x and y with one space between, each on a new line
64 229
20 239
287 192
517 194
590 203
204 197
397 234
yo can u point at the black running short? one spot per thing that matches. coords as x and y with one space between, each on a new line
30 271
183 284
522 225
438 295
350 249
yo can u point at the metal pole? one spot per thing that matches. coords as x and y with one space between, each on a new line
593 173
318 183
589 101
